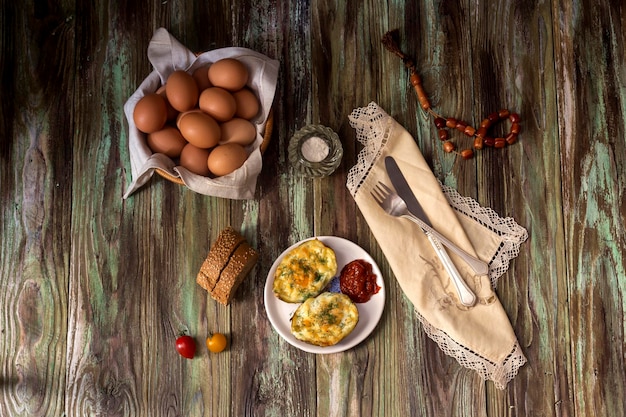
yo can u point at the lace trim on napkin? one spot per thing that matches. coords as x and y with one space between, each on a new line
511 233
373 128
499 373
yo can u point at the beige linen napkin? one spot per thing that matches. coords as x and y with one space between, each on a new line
479 337
166 55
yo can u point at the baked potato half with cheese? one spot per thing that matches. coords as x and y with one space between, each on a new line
305 271
325 320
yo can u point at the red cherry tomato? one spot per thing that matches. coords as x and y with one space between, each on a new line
186 346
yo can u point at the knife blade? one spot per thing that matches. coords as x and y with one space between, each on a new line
480 267
466 296
404 190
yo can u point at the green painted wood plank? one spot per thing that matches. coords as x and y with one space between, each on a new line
95 288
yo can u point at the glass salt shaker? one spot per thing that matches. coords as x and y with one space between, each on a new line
315 151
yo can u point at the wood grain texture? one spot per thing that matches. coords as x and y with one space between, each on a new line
591 91
94 289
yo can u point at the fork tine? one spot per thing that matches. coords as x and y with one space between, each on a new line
376 195
385 187
381 192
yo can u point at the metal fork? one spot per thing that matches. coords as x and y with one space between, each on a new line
394 205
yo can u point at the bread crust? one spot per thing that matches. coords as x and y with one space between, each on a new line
229 261
243 259
217 259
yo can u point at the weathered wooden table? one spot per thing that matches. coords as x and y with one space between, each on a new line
94 288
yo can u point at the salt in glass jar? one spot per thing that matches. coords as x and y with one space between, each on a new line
315 151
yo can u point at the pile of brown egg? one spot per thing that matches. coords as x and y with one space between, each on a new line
202 120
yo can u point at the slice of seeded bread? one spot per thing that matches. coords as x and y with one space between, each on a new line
218 257
229 261
240 264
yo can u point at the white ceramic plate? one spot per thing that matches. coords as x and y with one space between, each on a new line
280 312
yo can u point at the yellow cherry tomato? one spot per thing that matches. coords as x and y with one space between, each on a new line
216 342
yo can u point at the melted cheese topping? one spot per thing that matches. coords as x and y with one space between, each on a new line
304 271
325 320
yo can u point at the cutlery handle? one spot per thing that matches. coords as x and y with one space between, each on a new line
480 267
466 296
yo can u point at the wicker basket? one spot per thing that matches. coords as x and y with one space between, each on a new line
267 134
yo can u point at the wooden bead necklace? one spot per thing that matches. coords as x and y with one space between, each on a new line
480 135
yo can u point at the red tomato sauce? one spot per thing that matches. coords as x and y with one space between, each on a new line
358 281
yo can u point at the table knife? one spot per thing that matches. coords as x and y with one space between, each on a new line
479 266
466 296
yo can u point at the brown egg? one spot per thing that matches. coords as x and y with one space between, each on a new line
239 131
247 103
195 159
228 73
183 114
150 113
182 91
224 159
167 141
201 75
200 129
172 113
218 103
